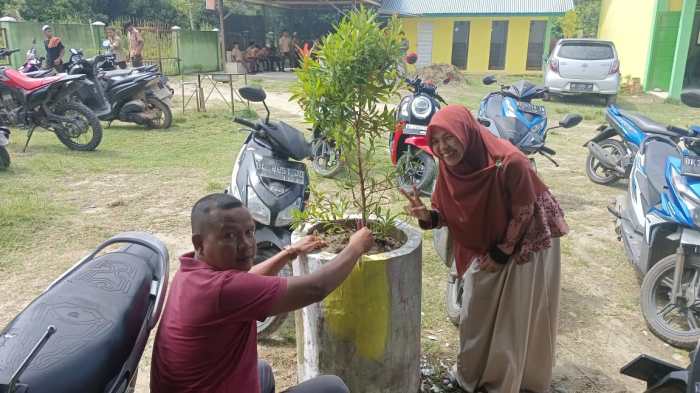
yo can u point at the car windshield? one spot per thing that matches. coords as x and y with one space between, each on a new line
586 51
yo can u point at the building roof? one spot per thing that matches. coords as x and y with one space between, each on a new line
476 7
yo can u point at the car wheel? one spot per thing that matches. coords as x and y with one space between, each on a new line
611 99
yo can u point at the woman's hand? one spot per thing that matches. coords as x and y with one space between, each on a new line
489 265
307 245
415 207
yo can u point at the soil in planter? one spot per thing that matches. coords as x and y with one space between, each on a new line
337 236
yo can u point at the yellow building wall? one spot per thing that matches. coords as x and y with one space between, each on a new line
479 41
627 23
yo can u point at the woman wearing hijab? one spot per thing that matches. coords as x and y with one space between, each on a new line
506 227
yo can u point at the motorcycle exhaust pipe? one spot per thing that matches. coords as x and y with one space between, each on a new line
605 159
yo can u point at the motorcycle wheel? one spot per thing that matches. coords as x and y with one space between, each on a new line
272 323
416 169
165 115
677 324
595 170
453 294
84 133
4 158
325 158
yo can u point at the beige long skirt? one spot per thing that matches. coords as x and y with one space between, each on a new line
508 326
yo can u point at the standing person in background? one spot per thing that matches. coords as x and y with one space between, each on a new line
296 47
54 49
285 47
251 58
136 43
116 46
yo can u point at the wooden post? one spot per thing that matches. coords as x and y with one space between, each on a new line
222 33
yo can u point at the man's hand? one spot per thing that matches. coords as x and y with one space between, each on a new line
57 61
362 240
415 207
307 245
489 265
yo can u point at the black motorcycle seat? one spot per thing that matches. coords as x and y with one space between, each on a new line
98 311
647 125
655 155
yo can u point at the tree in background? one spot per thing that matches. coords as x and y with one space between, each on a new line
581 22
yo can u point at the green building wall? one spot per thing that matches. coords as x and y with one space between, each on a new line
198 49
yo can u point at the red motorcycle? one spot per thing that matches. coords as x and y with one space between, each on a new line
408 144
50 103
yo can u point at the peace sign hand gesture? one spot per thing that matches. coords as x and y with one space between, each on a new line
416 208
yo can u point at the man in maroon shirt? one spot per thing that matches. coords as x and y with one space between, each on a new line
207 338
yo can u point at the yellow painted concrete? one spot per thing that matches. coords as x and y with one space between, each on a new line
359 309
675 5
479 40
627 23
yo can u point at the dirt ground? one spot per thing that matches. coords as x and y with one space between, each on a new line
601 327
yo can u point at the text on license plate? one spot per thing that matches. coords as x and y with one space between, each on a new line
582 86
690 166
281 170
531 108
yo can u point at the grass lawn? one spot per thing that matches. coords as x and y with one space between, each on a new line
55 205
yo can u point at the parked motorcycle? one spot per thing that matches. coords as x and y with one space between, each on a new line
140 96
48 103
270 180
326 159
4 154
87 331
660 376
408 144
510 114
610 159
32 63
657 221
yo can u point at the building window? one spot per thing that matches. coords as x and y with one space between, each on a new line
535 45
460 45
499 38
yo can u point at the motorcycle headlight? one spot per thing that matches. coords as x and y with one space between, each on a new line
286 216
257 208
690 199
421 107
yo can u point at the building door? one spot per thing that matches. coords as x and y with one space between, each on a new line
499 38
692 67
663 52
424 46
535 45
460 44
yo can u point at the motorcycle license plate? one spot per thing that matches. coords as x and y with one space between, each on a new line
690 166
531 108
286 171
415 129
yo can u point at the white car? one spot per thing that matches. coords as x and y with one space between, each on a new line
583 66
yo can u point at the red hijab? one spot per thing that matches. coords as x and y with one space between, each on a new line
476 197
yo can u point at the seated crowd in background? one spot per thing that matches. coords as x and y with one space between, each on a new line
259 58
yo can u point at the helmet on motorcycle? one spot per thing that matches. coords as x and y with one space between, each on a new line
412 58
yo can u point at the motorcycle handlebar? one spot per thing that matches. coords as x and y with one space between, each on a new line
7 52
547 150
247 123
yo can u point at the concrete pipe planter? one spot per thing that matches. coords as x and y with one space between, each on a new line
367 331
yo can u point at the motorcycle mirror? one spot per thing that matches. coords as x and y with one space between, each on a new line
412 58
489 80
691 97
253 93
571 120
105 44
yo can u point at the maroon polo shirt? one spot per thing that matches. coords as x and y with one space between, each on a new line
207 338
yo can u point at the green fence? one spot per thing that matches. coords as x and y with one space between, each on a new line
198 50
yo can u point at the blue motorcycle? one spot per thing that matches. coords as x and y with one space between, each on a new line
659 375
658 221
510 114
610 159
